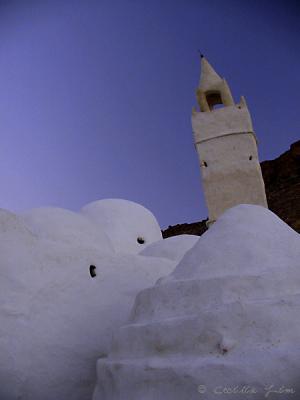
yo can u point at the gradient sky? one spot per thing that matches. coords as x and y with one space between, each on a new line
96 96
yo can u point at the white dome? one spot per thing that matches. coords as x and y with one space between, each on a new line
125 223
63 291
228 316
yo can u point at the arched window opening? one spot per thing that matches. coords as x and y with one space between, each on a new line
214 100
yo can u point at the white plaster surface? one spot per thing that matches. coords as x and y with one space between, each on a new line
124 221
227 317
222 121
55 319
231 177
68 227
228 156
173 248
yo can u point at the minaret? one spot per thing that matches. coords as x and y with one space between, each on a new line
226 145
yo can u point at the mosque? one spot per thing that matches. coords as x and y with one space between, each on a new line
96 305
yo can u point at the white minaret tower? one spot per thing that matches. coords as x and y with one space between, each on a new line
226 145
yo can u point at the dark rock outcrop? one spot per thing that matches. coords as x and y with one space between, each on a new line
282 183
195 228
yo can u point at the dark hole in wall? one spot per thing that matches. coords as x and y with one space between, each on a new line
93 271
140 240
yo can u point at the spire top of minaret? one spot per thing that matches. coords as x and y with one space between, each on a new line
209 77
212 89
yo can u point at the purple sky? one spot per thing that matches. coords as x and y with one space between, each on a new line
96 96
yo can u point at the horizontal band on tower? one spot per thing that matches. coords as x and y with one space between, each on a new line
227 134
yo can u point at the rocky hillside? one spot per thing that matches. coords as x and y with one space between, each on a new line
282 182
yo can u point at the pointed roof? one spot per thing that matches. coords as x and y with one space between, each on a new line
208 78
